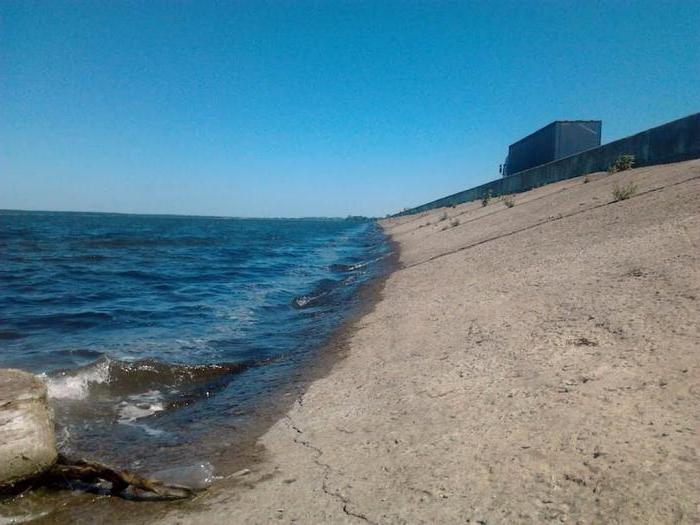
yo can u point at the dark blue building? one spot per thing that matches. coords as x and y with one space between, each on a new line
557 140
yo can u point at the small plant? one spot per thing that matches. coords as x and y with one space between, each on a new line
624 193
509 201
586 180
622 163
443 217
454 222
486 198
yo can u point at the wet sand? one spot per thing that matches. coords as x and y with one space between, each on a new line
531 364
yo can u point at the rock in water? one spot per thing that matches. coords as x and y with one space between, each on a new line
27 441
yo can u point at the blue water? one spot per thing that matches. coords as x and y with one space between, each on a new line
153 332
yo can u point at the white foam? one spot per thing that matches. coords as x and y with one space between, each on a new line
77 386
303 300
140 406
22 518
362 265
129 413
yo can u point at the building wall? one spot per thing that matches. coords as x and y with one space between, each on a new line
559 139
574 137
535 149
672 142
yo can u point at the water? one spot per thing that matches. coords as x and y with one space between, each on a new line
155 333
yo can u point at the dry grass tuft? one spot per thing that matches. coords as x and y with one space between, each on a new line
625 192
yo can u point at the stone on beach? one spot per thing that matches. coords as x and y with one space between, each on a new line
27 441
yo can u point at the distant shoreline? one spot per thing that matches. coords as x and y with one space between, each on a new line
356 218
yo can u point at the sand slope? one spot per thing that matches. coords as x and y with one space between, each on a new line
532 364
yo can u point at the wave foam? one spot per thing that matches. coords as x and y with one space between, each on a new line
140 406
66 386
109 378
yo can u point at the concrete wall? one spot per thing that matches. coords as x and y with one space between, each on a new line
672 142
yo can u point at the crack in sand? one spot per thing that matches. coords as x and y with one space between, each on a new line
327 469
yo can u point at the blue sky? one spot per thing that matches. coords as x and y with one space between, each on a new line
295 108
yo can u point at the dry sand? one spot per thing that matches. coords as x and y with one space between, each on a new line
531 364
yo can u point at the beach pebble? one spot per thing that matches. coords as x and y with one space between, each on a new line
27 441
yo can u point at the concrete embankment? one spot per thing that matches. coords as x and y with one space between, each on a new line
27 441
527 364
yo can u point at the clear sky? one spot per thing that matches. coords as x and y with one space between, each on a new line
296 108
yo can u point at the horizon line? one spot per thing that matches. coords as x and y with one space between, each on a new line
185 215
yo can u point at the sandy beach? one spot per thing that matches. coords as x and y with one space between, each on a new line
349 262
526 364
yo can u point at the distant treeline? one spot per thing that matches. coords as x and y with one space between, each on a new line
359 218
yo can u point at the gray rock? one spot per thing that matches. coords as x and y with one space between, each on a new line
27 441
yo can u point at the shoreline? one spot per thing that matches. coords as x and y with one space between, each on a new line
528 364
86 508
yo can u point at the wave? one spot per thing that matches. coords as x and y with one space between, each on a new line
324 291
66 321
148 242
66 385
8 335
112 378
346 268
321 294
